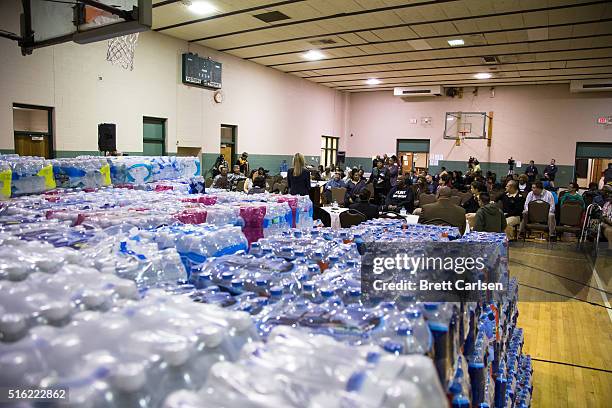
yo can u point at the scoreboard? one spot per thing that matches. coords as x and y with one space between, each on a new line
202 72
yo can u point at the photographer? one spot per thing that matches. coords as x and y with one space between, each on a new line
511 163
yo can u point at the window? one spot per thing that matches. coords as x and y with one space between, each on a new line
153 136
329 150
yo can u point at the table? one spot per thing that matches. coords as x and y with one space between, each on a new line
334 214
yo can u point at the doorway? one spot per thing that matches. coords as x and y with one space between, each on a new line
33 130
592 160
228 144
153 136
413 154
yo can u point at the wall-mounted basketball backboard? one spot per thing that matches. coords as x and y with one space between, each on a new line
465 125
50 22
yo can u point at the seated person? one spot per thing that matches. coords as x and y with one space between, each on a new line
259 185
335 182
400 196
221 180
471 205
524 186
235 176
489 218
444 210
430 186
593 195
512 205
354 188
606 225
248 183
364 206
539 193
572 195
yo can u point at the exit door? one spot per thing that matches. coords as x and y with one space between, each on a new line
33 130
228 144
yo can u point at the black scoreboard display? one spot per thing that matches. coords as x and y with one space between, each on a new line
202 72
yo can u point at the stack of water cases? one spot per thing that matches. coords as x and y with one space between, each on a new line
143 298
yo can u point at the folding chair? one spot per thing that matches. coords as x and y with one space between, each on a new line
350 218
425 198
537 217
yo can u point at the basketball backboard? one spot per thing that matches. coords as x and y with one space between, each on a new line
465 125
46 22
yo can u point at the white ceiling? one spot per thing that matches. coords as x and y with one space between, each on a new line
404 42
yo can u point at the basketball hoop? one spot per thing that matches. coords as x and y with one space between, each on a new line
120 49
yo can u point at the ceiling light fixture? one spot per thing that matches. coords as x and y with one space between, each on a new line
313 55
483 75
454 43
373 81
201 7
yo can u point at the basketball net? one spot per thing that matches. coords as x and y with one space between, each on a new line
121 49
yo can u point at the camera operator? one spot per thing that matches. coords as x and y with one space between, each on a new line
511 163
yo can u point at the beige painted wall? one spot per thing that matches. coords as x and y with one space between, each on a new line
275 113
530 122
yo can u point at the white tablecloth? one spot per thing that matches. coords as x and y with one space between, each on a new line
334 214
317 183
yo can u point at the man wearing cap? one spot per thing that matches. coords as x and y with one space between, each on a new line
243 162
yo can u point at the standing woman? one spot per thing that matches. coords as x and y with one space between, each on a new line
298 178
393 169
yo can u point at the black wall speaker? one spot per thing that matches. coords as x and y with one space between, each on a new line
107 137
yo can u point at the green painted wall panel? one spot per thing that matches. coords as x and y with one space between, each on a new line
564 175
594 150
363 162
7 151
417 146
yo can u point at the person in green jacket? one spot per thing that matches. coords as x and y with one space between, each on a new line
489 218
572 195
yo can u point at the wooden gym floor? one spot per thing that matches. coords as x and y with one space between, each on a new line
565 312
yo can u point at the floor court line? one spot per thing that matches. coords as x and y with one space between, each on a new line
542 360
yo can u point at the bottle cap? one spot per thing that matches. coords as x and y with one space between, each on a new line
413 313
227 276
129 377
126 289
327 293
313 268
12 323
92 298
211 336
354 292
276 291
175 354
56 311
308 286
404 331
261 282
240 320
237 283
392 347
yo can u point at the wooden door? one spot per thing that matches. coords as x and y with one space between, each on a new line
406 162
226 151
32 145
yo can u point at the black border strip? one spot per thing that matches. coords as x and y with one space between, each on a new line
541 360
458 82
464 73
228 14
565 296
434 37
467 47
329 17
452 66
561 276
446 20
449 58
